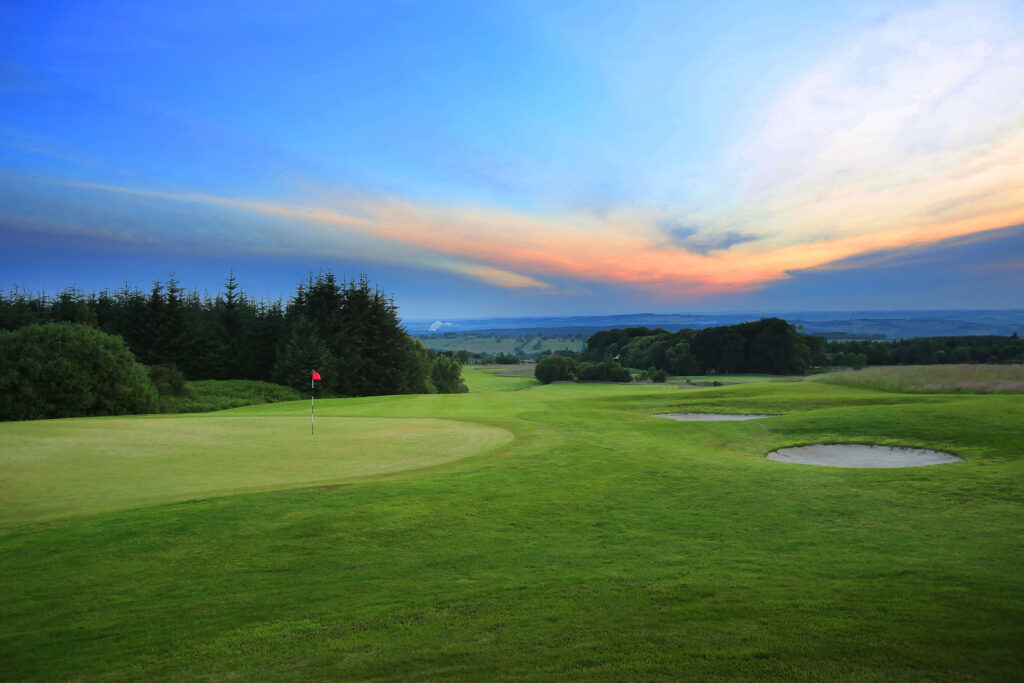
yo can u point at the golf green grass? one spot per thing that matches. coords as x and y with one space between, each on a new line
599 543
64 468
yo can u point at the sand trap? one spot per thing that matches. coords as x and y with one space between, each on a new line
860 455
710 417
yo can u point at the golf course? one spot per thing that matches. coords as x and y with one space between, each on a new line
519 532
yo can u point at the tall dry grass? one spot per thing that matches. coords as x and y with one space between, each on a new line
969 379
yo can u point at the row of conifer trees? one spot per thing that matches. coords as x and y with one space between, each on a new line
349 330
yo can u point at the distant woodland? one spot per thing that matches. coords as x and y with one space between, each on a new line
773 346
919 351
350 331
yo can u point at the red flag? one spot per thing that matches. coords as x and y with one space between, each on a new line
316 375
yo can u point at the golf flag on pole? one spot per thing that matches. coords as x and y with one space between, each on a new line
312 425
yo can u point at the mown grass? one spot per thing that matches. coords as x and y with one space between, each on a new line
972 379
600 544
81 466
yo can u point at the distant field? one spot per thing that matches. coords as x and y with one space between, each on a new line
498 377
521 345
524 370
972 379
732 379
527 370
518 532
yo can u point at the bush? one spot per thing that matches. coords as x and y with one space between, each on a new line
446 375
659 376
169 384
506 359
605 371
70 370
167 380
221 394
554 369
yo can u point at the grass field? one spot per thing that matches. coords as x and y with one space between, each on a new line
973 379
596 542
528 344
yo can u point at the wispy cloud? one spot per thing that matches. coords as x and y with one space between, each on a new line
691 239
911 133
917 121
515 250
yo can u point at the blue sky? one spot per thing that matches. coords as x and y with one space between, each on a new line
520 158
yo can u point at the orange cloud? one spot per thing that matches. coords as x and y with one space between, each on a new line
911 133
515 250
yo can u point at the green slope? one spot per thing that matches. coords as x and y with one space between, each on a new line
62 468
601 543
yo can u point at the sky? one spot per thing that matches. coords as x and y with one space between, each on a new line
554 157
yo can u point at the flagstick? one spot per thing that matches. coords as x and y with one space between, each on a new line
311 426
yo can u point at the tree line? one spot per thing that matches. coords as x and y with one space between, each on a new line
769 345
918 351
348 330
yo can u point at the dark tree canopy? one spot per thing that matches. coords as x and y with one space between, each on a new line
349 331
555 369
773 346
920 351
446 375
69 370
769 345
607 370
352 335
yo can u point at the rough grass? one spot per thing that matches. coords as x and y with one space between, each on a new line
970 379
601 544
212 394
496 377
522 370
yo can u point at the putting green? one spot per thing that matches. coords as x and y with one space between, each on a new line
51 469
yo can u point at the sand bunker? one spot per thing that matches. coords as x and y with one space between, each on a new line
710 417
860 455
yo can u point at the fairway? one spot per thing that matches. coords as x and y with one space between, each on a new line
587 540
63 468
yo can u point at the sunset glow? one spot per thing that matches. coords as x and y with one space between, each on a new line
654 168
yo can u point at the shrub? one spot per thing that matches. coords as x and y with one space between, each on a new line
167 380
506 359
221 394
659 376
606 371
554 369
70 370
169 384
446 375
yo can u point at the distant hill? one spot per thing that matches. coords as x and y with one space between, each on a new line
841 324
